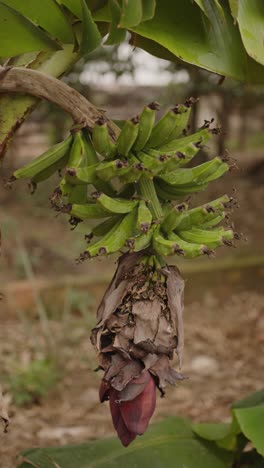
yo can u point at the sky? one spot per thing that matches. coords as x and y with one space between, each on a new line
149 71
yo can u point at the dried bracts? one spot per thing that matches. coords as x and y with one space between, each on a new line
140 325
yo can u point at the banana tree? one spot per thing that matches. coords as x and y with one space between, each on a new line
131 176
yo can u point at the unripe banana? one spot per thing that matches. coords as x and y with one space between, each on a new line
144 217
212 239
164 246
108 170
179 144
103 228
115 205
77 153
127 136
163 129
174 217
202 214
101 139
88 211
135 170
190 250
182 116
213 222
45 161
142 241
146 123
169 192
154 164
222 169
46 173
116 237
199 174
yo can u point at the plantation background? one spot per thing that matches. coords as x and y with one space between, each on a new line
49 303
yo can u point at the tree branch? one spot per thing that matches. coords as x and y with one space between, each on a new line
33 82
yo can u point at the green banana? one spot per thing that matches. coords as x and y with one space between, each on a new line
199 174
163 128
78 158
49 171
174 217
127 136
222 169
77 153
169 192
146 123
135 170
190 250
75 193
82 175
103 228
108 170
101 139
115 205
179 144
212 239
202 214
182 116
115 239
142 241
164 246
45 161
155 164
214 221
144 217
88 211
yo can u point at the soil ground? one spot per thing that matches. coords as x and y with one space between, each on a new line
224 332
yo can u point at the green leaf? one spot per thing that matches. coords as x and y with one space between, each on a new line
46 14
211 431
169 444
115 35
91 37
215 44
225 435
234 8
251 423
75 6
255 399
251 24
148 7
131 13
18 35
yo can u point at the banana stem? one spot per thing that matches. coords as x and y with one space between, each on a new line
147 191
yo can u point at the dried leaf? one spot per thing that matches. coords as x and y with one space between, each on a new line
175 290
165 374
131 370
146 315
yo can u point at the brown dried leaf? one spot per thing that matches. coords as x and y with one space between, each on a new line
166 339
131 370
175 290
165 373
147 315
125 263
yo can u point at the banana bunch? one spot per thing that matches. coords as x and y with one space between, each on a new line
133 185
